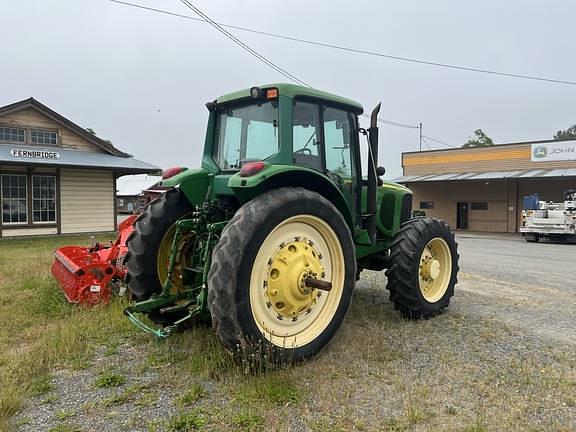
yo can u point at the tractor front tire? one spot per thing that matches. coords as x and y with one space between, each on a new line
423 268
262 309
149 246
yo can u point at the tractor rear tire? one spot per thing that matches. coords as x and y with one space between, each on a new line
144 245
261 309
423 268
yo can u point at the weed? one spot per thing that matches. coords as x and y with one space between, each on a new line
275 388
195 393
40 386
247 421
64 414
416 415
116 399
186 422
450 410
10 402
154 425
109 379
147 399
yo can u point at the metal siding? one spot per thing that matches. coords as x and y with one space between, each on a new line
504 158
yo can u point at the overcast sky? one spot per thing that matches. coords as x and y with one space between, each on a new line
141 79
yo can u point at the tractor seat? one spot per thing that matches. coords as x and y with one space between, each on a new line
308 160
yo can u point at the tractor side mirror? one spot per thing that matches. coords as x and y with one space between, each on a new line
380 171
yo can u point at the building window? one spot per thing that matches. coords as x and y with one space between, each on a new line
43 199
426 205
12 134
43 137
479 206
14 197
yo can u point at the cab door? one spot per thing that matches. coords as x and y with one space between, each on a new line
339 141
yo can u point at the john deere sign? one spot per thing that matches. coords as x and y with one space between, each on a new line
560 151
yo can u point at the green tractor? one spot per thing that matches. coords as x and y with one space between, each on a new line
270 235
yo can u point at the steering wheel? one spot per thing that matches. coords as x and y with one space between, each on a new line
304 151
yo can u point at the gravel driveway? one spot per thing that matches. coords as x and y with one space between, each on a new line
502 358
531 285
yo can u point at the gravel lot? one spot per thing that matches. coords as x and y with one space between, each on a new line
501 358
531 285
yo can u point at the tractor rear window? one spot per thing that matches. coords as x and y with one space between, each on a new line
246 133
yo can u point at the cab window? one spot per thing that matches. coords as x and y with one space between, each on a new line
337 140
306 135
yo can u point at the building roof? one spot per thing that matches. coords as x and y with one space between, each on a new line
134 185
34 104
59 157
488 175
111 158
293 90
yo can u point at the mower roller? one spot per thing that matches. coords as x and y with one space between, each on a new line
86 274
268 237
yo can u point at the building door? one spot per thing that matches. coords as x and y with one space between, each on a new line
462 215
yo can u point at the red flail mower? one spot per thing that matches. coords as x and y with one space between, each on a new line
88 275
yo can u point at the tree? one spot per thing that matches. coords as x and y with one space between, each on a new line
480 140
568 134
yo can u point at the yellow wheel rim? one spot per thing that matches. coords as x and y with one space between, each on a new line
435 270
163 258
286 311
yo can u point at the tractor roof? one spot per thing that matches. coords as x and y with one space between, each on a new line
292 91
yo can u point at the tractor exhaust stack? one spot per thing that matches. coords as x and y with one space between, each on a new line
372 176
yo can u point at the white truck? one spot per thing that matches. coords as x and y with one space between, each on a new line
542 219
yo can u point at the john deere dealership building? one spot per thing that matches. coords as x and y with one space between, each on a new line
482 189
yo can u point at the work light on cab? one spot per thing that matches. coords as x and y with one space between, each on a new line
251 168
171 172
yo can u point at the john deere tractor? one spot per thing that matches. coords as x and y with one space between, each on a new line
270 235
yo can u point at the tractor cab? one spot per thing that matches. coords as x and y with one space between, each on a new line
313 134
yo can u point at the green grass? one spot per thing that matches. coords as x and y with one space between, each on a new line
40 330
248 421
276 388
193 395
109 379
186 422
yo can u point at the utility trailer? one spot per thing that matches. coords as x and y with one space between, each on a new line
542 219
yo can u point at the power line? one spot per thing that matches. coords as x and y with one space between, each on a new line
358 51
392 123
426 143
438 141
243 45
205 18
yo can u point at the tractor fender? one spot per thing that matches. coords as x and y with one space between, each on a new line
277 176
193 183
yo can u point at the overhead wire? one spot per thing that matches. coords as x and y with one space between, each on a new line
220 27
357 50
438 141
243 45
265 60
425 141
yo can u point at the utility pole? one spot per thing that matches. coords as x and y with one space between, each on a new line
420 129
